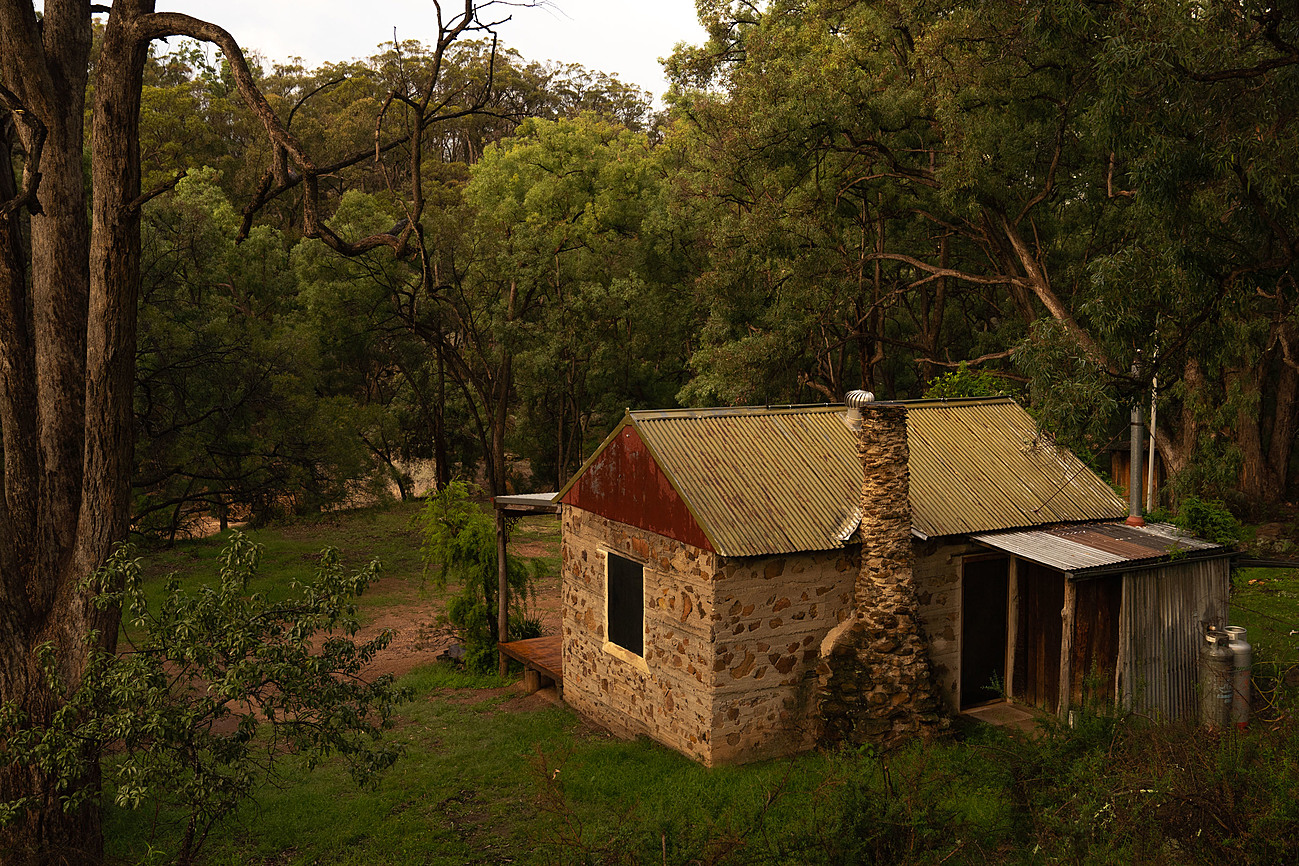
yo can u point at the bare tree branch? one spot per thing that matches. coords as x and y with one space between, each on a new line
942 272
145 197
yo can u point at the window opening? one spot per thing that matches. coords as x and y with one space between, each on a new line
626 599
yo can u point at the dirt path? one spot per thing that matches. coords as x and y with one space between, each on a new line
416 619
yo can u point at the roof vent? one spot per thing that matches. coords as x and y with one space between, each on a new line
856 401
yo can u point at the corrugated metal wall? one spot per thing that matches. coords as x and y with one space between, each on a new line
1159 634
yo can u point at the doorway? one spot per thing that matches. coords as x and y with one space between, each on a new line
1038 634
984 582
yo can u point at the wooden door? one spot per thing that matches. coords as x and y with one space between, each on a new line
1037 644
1095 640
983 629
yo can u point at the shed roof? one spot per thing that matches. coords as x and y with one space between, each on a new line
1097 548
763 480
527 503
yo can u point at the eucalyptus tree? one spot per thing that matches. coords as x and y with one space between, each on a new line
1068 187
69 280
875 203
232 407
550 289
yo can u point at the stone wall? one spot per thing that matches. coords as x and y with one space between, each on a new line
667 694
874 682
731 645
771 615
937 576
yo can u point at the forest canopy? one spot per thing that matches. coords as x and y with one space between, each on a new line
1083 201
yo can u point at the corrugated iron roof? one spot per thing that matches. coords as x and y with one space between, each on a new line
1100 546
983 465
776 480
527 502
760 480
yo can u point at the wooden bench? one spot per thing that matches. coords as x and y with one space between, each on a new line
542 659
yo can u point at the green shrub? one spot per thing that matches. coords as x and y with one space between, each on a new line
1209 519
963 382
460 541
213 690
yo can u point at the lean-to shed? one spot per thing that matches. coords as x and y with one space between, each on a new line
742 582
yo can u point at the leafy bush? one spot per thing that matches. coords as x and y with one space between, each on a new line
460 541
214 688
1209 519
963 382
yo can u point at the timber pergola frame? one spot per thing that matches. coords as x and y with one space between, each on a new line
509 511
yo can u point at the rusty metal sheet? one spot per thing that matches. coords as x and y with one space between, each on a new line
1080 547
626 482
761 480
1050 550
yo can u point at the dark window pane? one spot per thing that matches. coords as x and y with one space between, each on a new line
626 604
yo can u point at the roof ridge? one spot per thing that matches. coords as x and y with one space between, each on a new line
802 408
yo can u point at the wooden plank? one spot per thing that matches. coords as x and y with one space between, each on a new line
1041 602
1012 625
545 654
502 586
1096 639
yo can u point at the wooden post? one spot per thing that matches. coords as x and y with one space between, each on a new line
502 589
1066 646
1012 623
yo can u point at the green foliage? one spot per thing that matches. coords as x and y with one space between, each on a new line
487 776
1070 393
230 409
962 382
1208 519
459 541
577 281
215 689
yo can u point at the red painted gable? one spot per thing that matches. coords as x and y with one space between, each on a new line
624 483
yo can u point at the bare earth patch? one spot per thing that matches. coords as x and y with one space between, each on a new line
418 625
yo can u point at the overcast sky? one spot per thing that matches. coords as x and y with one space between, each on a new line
624 37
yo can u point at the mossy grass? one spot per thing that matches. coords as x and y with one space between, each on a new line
491 777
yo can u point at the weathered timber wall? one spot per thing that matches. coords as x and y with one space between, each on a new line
771 615
667 696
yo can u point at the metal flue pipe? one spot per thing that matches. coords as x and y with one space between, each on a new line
1136 431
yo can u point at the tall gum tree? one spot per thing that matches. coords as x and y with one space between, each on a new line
1116 176
69 278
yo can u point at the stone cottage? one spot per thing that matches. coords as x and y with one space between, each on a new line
742 583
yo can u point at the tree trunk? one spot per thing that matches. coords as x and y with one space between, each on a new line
1266 438
67 354
440 455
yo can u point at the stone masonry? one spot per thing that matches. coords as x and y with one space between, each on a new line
875 683
667 694
732 645
771 615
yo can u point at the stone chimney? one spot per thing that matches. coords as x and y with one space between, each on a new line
874 682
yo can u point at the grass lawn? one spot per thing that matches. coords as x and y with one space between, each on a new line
290 552
1266 602
490 776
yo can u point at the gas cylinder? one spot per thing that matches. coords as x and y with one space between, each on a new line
1216 661
1242 661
